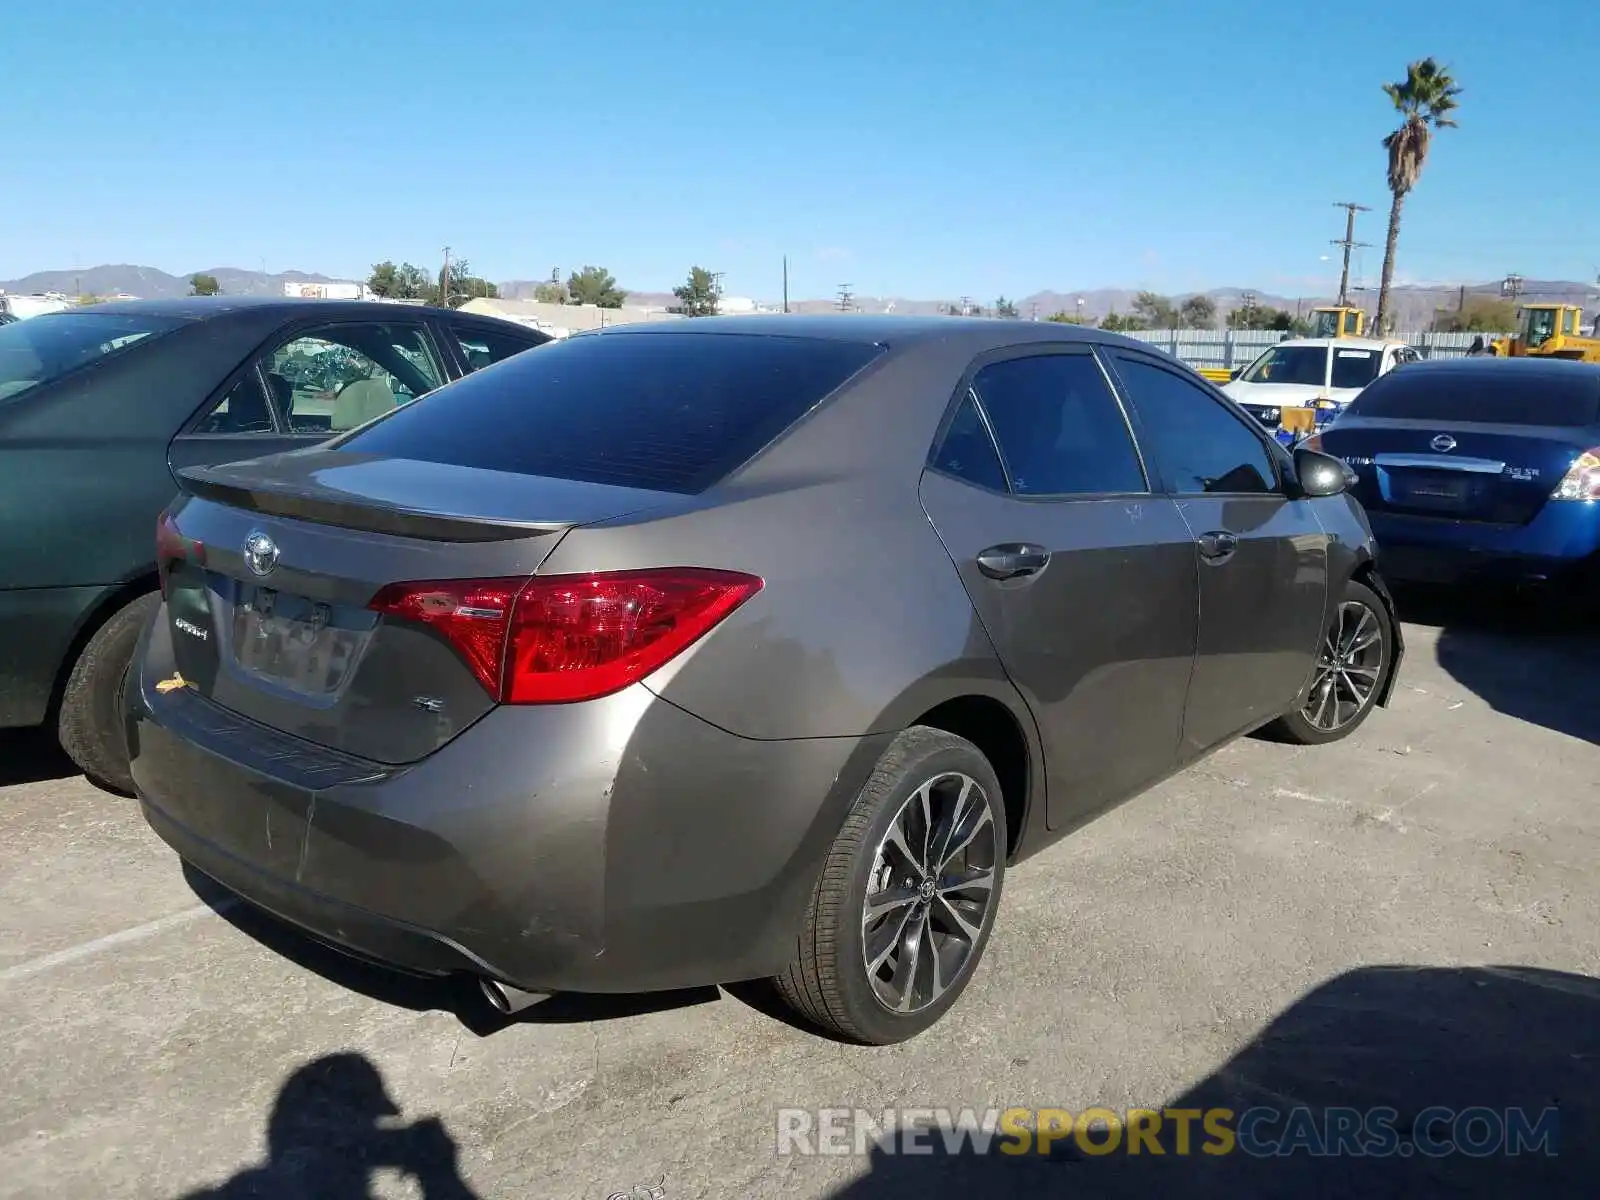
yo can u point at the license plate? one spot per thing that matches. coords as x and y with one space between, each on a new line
292 641
1437 491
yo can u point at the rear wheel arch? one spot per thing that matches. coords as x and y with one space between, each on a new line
112 601
1010 743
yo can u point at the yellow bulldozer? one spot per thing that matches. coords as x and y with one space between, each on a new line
1548 331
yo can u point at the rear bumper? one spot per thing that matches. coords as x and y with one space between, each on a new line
37 626
1563 540
622 845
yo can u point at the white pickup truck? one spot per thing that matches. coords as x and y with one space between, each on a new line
1301 371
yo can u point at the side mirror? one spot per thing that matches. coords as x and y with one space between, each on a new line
1321 474
1235 373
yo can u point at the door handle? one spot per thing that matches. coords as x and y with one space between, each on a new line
1013 560
1217 546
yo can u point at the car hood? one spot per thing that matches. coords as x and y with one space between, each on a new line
1286 395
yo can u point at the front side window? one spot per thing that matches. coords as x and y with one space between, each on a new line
1198 442
1060 428
333 378
44 348
1304 365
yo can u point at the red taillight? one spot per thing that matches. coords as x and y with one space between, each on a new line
172 546
559 638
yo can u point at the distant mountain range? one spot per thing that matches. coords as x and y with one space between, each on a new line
1414 306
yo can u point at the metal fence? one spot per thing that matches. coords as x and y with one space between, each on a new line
1231 348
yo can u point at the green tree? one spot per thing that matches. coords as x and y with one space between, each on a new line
204 285
1480 314
595 285
1121 322
697 296
1198 312
552 292
1065 318
1425 98
405 282
1005 308
1300 326
1155 311
1260 317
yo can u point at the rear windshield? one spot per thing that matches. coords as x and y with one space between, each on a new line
35 351
1493 396
672 412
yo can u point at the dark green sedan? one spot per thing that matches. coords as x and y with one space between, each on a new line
100 405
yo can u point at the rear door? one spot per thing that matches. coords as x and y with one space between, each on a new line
1262 557
1486 447
1084 580
312 379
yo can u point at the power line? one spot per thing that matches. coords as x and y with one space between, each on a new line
1349 243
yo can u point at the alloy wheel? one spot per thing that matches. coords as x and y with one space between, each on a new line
929 892
1349 666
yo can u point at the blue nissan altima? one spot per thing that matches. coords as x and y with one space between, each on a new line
1479 468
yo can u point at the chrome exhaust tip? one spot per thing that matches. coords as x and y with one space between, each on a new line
507 999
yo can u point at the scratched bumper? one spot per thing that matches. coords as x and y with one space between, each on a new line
622 845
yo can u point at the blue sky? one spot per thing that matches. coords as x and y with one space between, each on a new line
931 149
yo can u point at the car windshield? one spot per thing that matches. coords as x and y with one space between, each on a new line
1306 365
1354 368
1495 396
43 348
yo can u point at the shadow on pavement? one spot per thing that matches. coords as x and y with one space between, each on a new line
458 995
334 1124
32 756
1524 657
1405 1038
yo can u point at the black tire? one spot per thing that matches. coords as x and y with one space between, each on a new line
90 725
1295 726
828 984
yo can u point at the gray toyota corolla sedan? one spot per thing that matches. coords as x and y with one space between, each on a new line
708 651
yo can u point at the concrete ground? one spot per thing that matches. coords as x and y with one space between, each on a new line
1220 940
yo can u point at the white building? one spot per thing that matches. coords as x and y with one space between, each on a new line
325 291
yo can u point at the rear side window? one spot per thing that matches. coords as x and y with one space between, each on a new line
483 348
1059 427
43 349
670 412
967 451
1497 395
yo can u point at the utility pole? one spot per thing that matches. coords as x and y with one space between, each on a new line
444 280
847 298
1512 286
1033 311
1349 243
1248 299
966 306
785 283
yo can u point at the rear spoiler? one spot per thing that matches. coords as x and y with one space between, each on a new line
328 506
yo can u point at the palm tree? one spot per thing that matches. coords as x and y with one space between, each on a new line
1424 99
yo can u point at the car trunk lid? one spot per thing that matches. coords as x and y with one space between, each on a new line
271 567
1461 470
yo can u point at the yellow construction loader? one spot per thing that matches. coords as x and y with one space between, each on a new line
1338 321
1548 331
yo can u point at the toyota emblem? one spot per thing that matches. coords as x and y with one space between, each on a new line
260 554
1444 443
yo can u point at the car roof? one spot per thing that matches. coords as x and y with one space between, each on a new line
1355 343
202 308
1530 367
975 333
